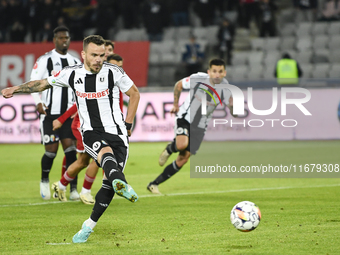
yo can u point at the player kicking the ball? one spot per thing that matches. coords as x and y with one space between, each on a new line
96 87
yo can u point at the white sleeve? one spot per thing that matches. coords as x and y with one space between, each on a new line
186 83
123 81
39 70
36 98
61 78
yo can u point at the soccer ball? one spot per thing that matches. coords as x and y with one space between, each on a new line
245 216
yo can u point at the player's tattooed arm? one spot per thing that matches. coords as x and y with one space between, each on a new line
28 87
33 86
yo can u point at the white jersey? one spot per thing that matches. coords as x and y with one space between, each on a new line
191 109
57 99
97 96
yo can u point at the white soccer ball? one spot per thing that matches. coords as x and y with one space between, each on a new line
245 216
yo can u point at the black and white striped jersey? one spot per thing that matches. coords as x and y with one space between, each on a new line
97 96
191 109
57 99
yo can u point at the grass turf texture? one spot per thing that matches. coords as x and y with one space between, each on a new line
299 216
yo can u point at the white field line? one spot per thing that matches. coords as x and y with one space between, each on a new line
191 193
57 243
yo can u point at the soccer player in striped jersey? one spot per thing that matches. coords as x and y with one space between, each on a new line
83 159
191 124
105 134
53 103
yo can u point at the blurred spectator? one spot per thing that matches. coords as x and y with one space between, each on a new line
225 36
205 10
155 19
46 34
193 56
107 13
76 13
287 70
4 20
247 10
231 5
130 10
180 12
33 18
50 11
17 32
61 22
267 15
330 11
306 10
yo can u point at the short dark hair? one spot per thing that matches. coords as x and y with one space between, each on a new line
114 57
96 39
109 42
216 62
60 29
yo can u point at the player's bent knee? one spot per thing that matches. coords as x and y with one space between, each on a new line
51 155
182 142
70 148
181 145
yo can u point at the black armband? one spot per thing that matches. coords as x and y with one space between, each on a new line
128 125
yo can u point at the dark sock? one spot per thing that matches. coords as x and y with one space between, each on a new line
169 171
171 148
71 156
74 183
109 165
103 199
46 165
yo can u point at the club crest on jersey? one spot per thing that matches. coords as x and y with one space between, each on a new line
96 146
35 65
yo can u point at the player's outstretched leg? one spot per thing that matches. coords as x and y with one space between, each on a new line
169 171
83 234
116 176
123 189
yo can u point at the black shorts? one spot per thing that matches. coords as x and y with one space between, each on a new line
195 135
49 136
94 141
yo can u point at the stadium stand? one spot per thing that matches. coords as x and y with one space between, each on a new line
314 44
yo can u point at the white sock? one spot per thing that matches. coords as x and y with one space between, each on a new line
90 223
61 186
83 190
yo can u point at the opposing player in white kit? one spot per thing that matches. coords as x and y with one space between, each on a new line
190 123
105 134
52 104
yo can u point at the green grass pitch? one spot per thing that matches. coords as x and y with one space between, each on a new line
299 216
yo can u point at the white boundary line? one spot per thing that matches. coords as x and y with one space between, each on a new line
191 193
57 243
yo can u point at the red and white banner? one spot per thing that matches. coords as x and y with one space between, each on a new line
19 122
17 60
